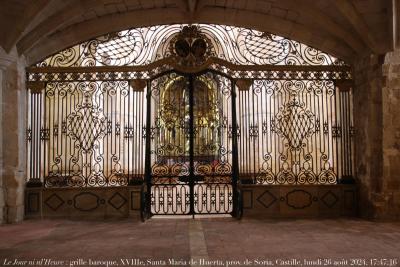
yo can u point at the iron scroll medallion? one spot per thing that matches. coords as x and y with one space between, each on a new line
190 47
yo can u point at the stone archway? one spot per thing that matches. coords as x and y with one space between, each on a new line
62 25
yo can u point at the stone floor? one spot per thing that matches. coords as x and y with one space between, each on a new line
200 242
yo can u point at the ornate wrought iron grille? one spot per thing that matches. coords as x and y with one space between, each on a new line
189 109
191 144
86 134
141 46
295 132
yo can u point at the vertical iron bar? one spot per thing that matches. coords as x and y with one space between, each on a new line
345 125
49 127
191 144
33 135
126 130
348 148
338 134
242 140
342 150
235 162
34 148
37 137
46 134
69 107
253 123
30 143
248 142
148 149
350 108
31 162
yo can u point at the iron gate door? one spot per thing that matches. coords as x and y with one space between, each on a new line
190 135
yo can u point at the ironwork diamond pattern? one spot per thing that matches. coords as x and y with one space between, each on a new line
87 125
263 46
294 123
118 47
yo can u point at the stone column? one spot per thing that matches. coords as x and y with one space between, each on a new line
12 136
377 123
3 66
368 80
390 195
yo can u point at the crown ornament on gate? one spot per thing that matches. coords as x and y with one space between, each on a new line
190 47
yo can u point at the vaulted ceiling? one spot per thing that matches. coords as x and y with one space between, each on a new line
345 28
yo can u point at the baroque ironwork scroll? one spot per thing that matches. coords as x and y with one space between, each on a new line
91 134
295 132
141 46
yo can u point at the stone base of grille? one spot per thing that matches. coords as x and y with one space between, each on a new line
83 203
299 201
259 201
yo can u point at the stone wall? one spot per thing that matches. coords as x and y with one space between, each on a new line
2 202
12 136
368 125
376 109
391 136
